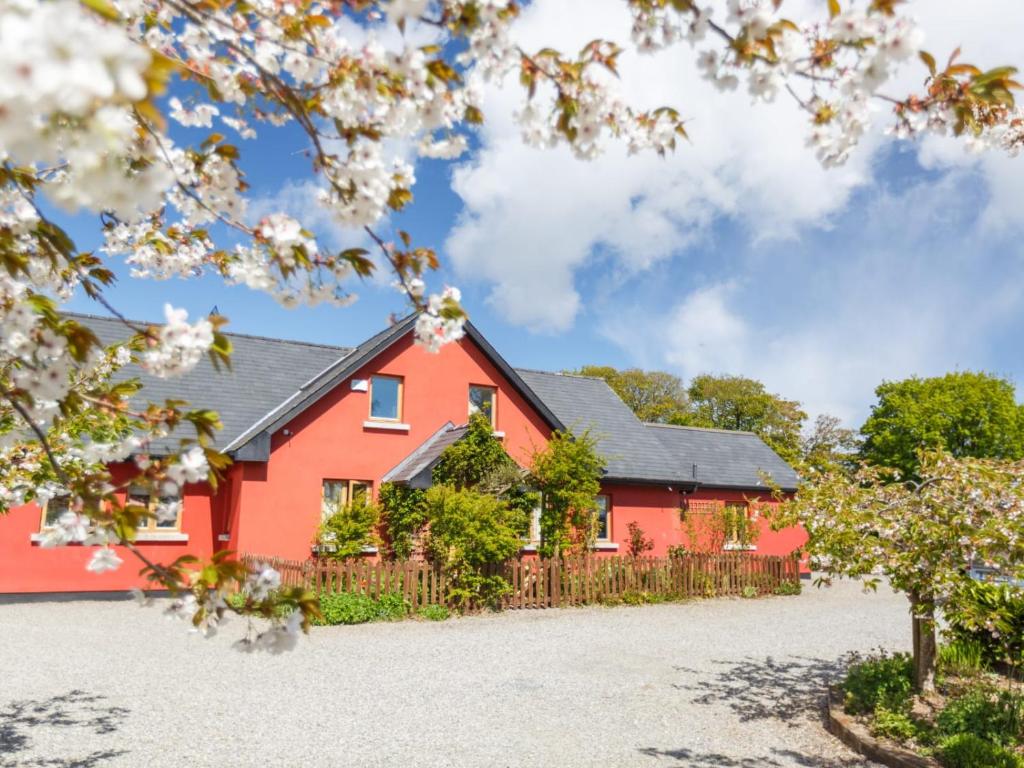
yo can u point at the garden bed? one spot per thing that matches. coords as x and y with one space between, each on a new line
974 718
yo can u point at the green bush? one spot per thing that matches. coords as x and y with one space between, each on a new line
749 591
966 750
357 608
898 726
346 530
990 715
963 656
434 612
788 588
886 681
469 533
977 608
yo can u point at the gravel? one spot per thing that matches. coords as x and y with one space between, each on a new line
729 682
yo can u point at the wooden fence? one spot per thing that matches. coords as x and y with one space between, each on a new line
549 583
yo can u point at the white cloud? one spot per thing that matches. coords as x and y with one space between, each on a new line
913 282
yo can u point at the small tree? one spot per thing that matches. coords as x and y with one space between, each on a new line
403 516
469 531
638 543
348 529
922 534
568 475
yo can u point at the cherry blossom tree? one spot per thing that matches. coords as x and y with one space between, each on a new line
921 534
99 99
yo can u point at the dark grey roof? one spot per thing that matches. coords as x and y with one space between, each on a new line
723 459
415 469
264 372
630 450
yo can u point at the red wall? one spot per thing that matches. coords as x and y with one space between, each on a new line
280 500
273 508
27 567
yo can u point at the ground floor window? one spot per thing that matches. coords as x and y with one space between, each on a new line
338 494
738 526
165 510
604 518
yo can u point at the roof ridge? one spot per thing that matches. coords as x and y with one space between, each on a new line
701 429
226 333
563 374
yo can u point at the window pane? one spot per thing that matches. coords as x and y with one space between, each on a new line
602 517
170 505
384 394
334 494
360 491
140 498
481 400
56 507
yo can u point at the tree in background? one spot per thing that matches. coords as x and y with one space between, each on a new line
654 396
921 534
964 413
736 402
828 446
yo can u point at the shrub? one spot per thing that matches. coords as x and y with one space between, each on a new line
357 608
898 726
963 656
678 550
749 591
470 531
346 530
788 588
886 681
977 608
434 612
638 543
403 516
995 717
966 750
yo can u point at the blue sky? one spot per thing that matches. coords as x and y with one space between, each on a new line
738 254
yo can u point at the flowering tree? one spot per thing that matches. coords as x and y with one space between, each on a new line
922 534
135 110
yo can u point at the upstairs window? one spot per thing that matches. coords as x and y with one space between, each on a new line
338 494
386 398
604 518
53 509
165 511
483 400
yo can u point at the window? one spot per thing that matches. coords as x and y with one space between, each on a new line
483 400
604 518
165 510
386 398
53 509
737 525
338 494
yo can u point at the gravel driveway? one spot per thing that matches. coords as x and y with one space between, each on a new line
734 683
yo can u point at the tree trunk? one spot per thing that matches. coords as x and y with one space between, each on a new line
925 649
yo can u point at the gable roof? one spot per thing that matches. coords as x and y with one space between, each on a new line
263 373
631 451
415 469
325 382
723 458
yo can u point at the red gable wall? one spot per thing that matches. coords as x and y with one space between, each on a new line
280 500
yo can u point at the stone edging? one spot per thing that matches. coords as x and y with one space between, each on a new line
857 737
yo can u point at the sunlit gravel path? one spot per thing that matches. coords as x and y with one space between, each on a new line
730 682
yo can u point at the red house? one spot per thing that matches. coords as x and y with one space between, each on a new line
304 422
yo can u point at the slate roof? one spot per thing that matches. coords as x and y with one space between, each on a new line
631 451
723 459
415 469
273 380
264 372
